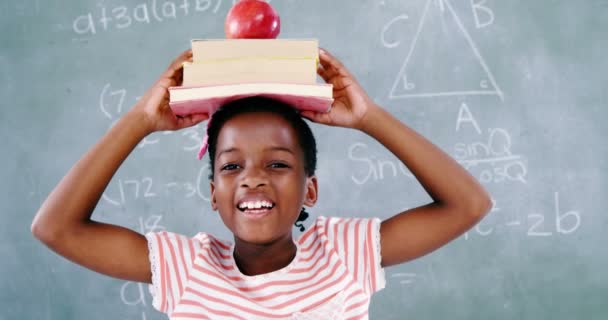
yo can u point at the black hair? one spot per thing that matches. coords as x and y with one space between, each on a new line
304 135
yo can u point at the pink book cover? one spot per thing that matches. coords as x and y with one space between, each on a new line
210 105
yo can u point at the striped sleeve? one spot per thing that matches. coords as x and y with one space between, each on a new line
357 242
171 257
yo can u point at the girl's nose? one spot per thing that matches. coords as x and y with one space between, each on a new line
254 178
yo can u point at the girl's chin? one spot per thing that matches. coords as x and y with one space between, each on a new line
256 239
259 236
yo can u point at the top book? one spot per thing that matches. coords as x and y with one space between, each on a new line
230 49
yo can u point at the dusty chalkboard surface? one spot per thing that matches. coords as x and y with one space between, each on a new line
514 90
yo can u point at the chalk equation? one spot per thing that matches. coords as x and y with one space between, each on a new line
453 37
535 224
368 167
497 167
122 191
112 105
491 159
119 17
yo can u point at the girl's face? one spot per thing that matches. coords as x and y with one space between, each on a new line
259 162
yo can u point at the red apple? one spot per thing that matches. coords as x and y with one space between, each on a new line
252 19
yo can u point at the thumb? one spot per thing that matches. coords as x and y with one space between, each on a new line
318 117
191 120
199 117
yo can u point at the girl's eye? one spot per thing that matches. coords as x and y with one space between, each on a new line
278 165
230 166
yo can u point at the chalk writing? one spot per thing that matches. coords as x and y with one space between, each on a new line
385 29
496 153
135 188
152 11
132 294
150 224
117 95
375 169
426 278
112 102
194 138
479 11
465 116
406 87
406 278
561 227
494 156
126 190
536 224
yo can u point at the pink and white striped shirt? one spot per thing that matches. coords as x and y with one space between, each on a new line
335 272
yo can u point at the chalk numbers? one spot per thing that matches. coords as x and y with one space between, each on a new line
194 137
111 102
126 191
492 158
535 224
114 101
105 18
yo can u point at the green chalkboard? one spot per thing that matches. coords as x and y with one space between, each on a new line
514 90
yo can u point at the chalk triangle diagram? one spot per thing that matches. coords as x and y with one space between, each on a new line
443 60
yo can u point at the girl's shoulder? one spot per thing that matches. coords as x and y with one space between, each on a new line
338 228
327 224
201 241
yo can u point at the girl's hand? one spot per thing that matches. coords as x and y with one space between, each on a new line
154 105
351 103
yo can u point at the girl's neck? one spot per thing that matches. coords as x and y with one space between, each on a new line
253 259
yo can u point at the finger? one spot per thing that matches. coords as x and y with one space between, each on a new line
200 117
323 74
327 60
317 117
327 72
191 120
324 60
165 83
331 63
184 56
178 64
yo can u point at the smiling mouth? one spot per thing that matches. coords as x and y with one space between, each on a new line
256 208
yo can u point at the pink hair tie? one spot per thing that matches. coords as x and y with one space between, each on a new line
205 142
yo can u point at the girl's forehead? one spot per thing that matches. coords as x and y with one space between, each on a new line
257 129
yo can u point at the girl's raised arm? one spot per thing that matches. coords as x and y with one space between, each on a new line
459 201
64 223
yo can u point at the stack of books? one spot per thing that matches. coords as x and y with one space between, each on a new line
225 70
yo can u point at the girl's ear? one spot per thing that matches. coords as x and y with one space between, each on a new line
213 201
312 189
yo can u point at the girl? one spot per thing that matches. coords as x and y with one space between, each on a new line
263 158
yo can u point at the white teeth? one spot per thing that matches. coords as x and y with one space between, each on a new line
255 205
